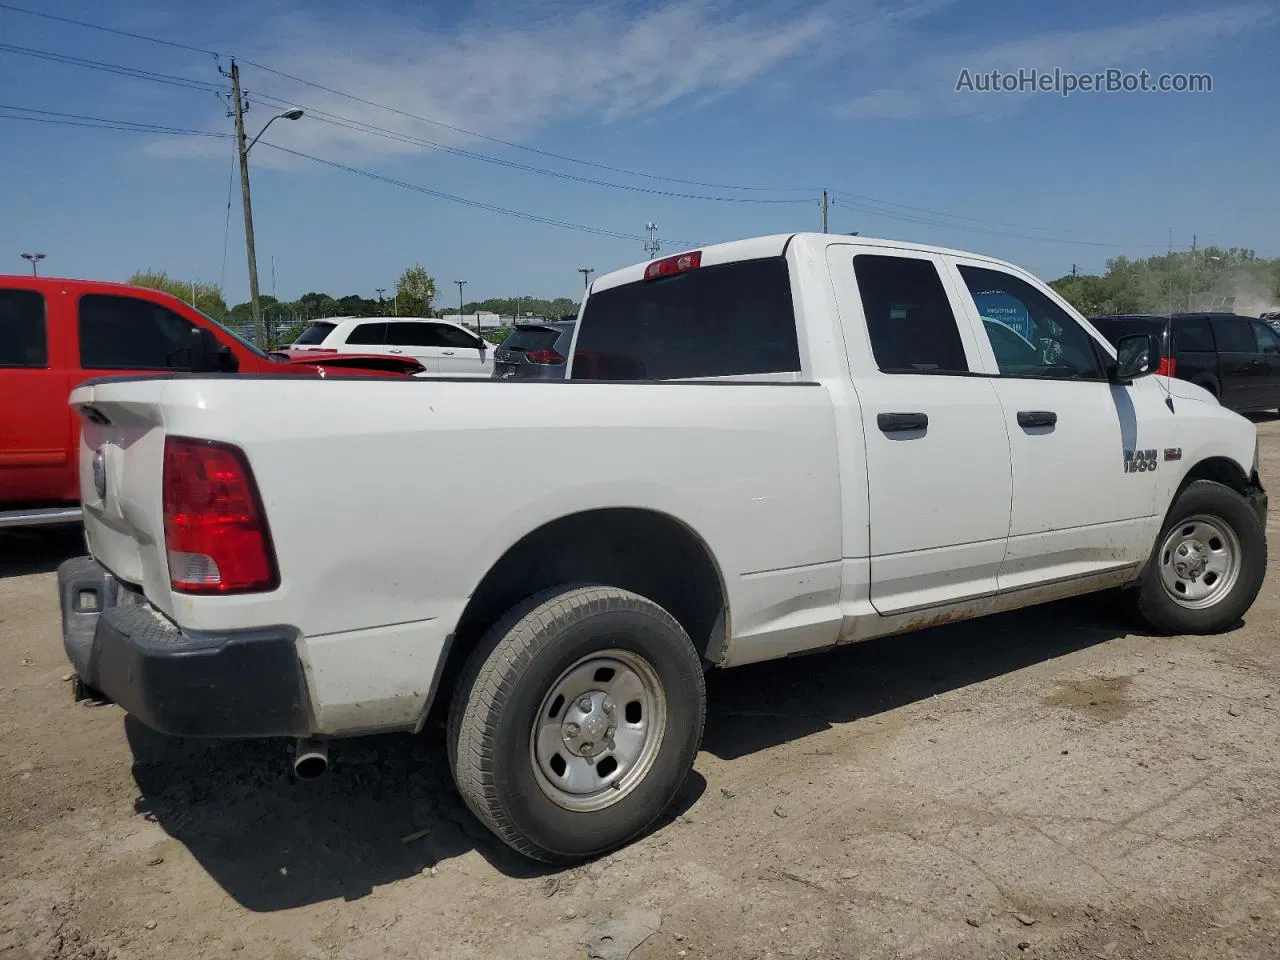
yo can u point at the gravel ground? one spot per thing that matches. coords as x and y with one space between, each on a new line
1048 783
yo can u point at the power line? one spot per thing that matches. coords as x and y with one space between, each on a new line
94 26
373 130
478 204
80 120
912 215
413 116
106 123
398 136
116 68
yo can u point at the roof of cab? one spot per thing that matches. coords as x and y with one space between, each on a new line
775 245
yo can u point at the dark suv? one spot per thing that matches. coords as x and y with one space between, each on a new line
1235 358
535 351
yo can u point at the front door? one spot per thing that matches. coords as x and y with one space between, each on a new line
1084 452
937 454
1243 370
1269 352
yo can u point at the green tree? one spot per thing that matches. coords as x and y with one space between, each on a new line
207 296
415 292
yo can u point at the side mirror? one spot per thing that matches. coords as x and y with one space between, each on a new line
1137 355
227 362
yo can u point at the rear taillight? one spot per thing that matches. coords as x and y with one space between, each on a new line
544 356
1168 367
215 530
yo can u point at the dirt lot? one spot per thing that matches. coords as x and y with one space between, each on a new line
924 796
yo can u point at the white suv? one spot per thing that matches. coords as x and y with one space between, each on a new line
444 349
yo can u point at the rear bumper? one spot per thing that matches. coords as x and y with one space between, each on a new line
233 684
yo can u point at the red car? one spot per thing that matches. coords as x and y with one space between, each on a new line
55 334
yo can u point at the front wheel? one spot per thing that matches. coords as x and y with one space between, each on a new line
1208 563
577 721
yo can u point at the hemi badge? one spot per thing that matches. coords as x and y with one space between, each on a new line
1172 453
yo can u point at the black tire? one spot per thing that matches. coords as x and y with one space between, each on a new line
1166 615
502 689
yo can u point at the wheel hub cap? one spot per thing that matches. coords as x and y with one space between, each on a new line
1199 561
598 730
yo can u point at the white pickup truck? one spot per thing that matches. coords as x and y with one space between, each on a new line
763 448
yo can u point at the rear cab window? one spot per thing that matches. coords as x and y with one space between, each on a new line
725 320
23 337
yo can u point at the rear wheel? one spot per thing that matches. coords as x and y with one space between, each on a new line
1208 563
576 721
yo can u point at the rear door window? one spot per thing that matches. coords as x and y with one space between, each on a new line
126 333
315 334
23 340
733 319
1193 335
367 333
909 318
1233 335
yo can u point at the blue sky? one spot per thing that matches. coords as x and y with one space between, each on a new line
856 96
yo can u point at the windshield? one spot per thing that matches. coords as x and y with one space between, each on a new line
255 350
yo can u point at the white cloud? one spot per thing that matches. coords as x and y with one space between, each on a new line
1163 44
513 73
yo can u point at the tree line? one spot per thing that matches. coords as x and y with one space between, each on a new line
1234 280
414 295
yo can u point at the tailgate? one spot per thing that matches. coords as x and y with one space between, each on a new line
121 462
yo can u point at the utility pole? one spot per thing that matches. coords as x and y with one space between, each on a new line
382 310
824 211
1191 283
1075 271
34 258
586 276
461 284
238 105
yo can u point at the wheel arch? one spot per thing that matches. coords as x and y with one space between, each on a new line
1219 469
646 551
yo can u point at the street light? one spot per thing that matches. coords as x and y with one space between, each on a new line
586 276
34 258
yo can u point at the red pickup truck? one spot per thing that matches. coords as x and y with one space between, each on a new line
55 334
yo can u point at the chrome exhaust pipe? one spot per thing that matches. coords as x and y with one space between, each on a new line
310 759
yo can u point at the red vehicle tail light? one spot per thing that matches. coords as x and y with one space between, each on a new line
677 264
544 356
215 530
1168 367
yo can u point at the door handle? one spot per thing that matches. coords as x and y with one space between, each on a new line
1037 418
448 353
902 422
395 351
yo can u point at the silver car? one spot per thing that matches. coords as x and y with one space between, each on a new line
535 351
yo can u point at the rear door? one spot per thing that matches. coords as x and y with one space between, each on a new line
462 354
1243 369
36 463
1076 509
1269 347
937 452
1195 352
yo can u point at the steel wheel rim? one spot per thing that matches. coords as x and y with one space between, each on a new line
1199 561
598 730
